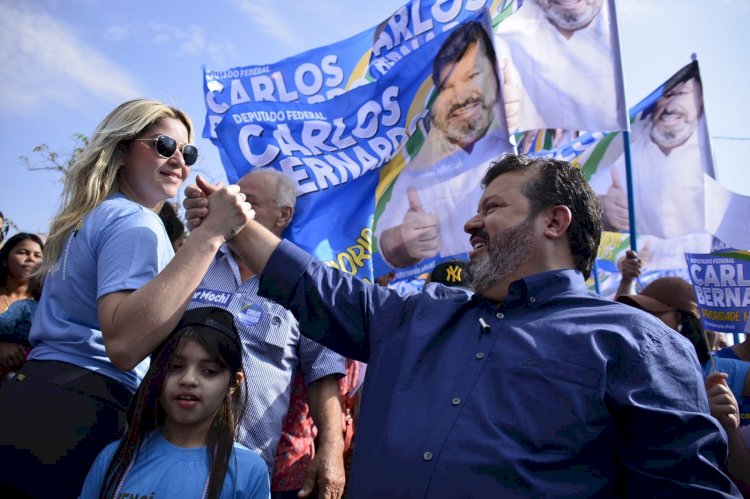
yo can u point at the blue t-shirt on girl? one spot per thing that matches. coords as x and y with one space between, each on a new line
163 470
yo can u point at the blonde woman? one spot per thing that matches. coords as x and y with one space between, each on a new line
113 291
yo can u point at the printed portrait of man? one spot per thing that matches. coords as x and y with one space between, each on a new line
668 163
438 190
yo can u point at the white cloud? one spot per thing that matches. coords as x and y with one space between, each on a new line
222 54
118 33
267 15
190 41
195 42
44 62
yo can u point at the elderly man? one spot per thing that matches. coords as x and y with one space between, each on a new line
273 349
533 386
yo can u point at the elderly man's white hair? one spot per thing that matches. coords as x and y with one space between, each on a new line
286 192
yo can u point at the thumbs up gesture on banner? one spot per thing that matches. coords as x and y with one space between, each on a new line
419 229
615 204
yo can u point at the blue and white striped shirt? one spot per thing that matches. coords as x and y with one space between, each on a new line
273 348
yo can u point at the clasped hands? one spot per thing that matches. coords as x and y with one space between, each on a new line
225 209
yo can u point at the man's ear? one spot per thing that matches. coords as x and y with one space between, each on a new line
558 220
285 217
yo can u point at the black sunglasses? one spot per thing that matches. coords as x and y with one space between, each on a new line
166 146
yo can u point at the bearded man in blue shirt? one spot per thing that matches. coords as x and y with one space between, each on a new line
532 386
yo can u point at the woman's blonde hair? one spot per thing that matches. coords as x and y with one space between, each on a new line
94 175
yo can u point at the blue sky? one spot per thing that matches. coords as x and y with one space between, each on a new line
64 64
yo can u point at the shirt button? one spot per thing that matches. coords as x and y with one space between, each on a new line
456 401
532 299
499 315
275 321
427 456
480 355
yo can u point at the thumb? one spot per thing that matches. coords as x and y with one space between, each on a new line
206 186
415 203
616 181
509 73
716 378
308 485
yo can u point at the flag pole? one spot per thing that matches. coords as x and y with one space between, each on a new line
629 181
595 272
622 107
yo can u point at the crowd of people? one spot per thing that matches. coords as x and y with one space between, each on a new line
141 362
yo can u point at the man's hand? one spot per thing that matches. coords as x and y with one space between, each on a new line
415 239
326 471
632 266
221 209
419 229
615 204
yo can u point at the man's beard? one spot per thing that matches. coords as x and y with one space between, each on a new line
672 136
571 20
505 252
470 130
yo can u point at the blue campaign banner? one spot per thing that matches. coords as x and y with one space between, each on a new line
721 282
325 72
418 22
347 153
312 76
322 73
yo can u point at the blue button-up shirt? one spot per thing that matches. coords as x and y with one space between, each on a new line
272 349
564 394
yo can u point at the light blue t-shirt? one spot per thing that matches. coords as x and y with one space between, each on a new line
119 246
163 470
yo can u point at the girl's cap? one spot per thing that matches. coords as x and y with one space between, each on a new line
214 317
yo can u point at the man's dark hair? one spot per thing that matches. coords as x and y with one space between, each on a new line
553 183
456 45
685 74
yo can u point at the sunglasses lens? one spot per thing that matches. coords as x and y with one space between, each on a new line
189 154
165 146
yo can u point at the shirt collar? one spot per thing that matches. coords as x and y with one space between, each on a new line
539 288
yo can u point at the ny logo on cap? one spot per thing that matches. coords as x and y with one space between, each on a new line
453 273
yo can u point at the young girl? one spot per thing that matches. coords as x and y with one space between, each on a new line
113 291
181 424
